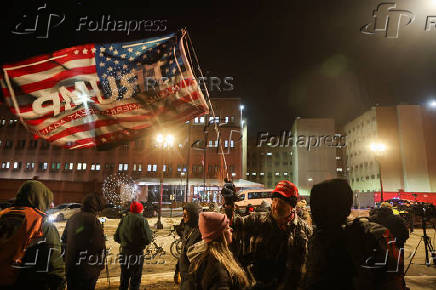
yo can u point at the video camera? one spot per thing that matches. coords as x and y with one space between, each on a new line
229 192
424 209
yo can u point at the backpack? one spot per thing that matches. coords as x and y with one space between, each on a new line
375 255
20 228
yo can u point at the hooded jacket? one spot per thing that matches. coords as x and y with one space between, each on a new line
190 235
35 194
84 240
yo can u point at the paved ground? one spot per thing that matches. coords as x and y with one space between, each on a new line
158 272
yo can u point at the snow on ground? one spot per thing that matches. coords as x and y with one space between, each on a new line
158 272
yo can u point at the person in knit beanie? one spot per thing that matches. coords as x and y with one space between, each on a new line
212 263
133 234
136 207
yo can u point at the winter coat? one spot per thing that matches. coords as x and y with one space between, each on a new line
190 235
36 195
395 224
345 257
210 274
84 240
133 233
275 257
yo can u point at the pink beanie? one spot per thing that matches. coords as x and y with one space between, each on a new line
212 225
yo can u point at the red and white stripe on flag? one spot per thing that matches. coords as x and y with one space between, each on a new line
63 97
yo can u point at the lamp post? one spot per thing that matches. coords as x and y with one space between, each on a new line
163 142
379 149
241 108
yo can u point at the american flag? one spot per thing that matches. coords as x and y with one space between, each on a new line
97 94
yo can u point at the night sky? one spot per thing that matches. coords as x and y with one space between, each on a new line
288 59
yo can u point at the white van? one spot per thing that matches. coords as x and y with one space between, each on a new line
254 197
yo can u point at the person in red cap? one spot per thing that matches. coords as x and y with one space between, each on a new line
212 265
134 234
272 245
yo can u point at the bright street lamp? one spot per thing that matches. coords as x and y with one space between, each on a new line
432 104
379 149
163 141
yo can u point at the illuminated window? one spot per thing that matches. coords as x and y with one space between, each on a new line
17 165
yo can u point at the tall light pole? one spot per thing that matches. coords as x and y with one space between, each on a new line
241 108
188 162
163 142
379 149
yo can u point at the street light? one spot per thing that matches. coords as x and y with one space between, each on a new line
163 141
432 104
379 149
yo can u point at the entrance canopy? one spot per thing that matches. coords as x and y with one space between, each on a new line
239 183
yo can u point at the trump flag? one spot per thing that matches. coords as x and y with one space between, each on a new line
98 94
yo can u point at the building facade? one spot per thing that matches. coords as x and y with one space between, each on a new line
268 164
408 160
307 154
194 156
314 160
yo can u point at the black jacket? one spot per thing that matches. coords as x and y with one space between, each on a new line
190 234
345 257
84 240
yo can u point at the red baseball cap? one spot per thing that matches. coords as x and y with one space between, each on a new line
285 190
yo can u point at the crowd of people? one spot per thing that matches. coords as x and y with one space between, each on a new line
281 247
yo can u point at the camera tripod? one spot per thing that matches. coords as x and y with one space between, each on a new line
428 247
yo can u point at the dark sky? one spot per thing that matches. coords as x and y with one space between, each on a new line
289 58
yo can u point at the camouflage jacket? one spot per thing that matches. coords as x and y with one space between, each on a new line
274 257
